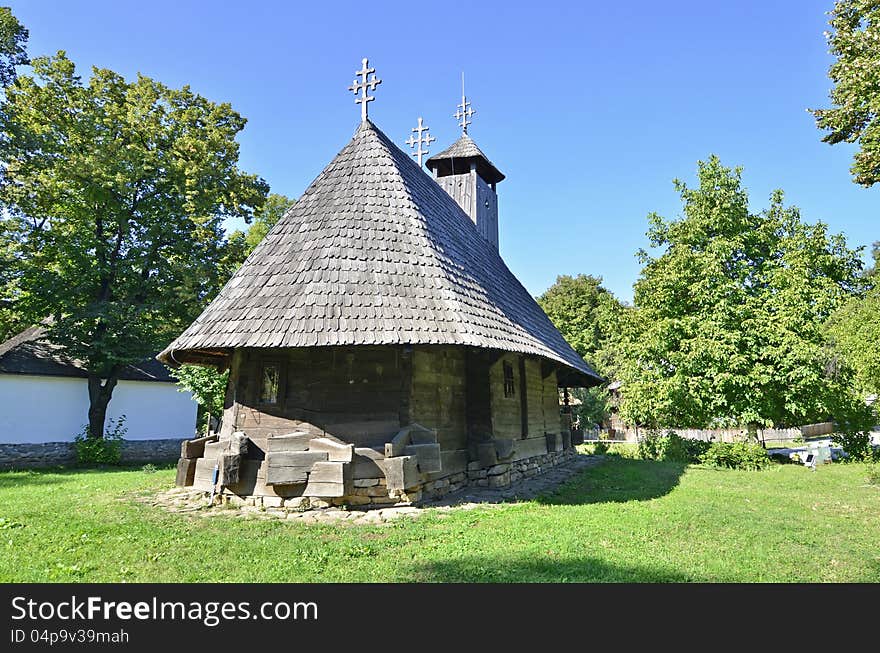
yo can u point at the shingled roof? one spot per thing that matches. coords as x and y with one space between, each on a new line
457 158
375 253
29 352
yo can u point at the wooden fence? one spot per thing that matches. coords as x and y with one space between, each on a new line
732 435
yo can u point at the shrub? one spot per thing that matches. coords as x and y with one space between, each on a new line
873 477
857 445
670 447
149 468
600 448
101 451
735 455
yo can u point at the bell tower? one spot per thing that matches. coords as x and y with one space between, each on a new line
463 171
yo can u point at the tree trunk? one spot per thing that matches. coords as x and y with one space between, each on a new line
752 431
99 398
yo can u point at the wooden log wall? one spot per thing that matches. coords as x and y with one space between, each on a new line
350 393
438 398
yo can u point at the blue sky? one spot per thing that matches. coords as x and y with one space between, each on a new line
589 108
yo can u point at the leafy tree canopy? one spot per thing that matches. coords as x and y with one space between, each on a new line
242 243
591 319
13 43
855 116
118 191
854 330
729 326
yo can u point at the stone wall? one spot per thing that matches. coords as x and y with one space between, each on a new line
373 492
49 454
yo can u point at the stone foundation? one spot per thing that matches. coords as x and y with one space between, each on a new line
49 454
373 492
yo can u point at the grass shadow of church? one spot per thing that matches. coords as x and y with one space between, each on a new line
617 480
542 569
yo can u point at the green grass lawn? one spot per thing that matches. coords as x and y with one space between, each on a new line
626 520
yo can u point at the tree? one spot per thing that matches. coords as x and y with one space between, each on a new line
13 52
13 46
854 331
855 116
118 191
208 387
590 318
241 243
729 322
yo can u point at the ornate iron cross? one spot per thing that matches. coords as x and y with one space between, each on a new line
362 85
464 110
413 141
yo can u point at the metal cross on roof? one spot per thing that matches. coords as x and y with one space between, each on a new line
413 141
361 85
464 110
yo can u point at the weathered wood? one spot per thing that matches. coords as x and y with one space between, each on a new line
295 458
196 448
402 472
186 472
504 448
366 463
326 490
297 441
336 452
284 468
427 455
204 474
419 434
237 444
213 450
453 462
228 464
566 440
552 439
486 454
398 443
330 472
529 448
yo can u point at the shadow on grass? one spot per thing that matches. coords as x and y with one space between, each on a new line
618 480
12 478
542 569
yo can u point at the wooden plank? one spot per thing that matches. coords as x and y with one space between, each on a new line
295 458
402 472
398 443
327 490
186 472
298 441
330 472
552 441
285 468
195 448
428 456
336 452
504 448
453 462
366 463
228 464
204 473
529 448
213 450
421 435
487 454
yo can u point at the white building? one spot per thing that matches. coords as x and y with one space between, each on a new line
44 396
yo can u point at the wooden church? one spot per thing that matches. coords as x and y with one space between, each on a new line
379 348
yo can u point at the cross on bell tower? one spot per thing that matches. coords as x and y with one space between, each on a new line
414 141
362 85
464 110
